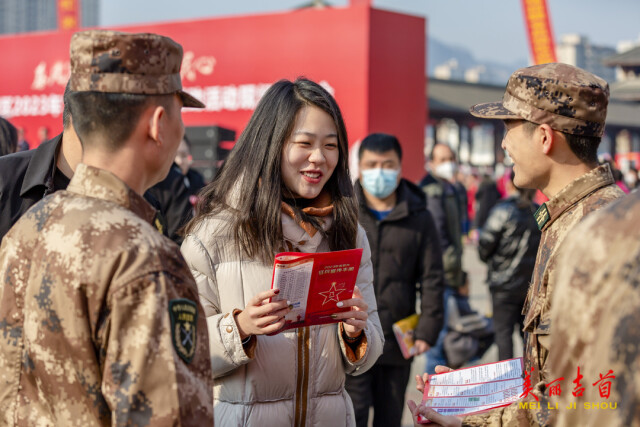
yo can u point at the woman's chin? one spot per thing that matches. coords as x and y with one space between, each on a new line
307 193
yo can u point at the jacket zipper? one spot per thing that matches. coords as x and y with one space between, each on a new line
302 378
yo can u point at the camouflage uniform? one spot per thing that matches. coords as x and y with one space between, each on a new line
597 283
573 101
100 322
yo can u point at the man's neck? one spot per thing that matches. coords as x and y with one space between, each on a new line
386 204
122 164
70 153
564 175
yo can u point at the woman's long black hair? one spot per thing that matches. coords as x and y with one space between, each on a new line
249 184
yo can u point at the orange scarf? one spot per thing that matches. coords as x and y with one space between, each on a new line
320 206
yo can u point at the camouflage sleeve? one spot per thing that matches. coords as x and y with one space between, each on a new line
155 354
529 411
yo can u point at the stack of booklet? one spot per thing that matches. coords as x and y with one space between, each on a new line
476 389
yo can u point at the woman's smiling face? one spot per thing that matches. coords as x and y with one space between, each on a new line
310 154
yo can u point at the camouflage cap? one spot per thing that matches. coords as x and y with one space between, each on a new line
565 97
115 62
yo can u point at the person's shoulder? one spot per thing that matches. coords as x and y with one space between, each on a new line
31 224
610 192
414 196
13 167
615 217
18 157
600 198
432 186
108 222
509 204
428 179
213 226
122 236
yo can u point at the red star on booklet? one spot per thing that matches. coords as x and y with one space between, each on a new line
331 294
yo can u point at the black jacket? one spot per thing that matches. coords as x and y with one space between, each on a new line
173 195
487 197
508 243
28 176
443 201
25 178
406 257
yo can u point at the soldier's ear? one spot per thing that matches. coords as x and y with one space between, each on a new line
547 138
156 123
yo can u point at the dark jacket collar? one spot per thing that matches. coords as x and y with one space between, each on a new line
42 166
409 198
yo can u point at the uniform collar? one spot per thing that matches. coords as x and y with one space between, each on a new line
572 194
101 184
42 166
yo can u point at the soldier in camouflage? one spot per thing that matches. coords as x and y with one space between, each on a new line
597 294
555 116
100 322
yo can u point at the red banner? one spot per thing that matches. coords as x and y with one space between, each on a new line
541 41
68 15
373 62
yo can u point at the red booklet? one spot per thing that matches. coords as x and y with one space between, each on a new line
314 283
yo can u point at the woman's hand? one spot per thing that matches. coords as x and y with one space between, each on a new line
435 418
262 317
422 380
355 320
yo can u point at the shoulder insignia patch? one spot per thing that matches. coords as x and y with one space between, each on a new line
158 224
184 315
542 216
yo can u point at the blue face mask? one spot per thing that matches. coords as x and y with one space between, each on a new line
379 182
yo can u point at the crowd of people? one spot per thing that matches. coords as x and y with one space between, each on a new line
134 293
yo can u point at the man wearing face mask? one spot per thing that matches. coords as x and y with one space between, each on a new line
443 201
406 257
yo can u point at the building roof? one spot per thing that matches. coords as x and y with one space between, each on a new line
455 97
628 90
449 98
629 58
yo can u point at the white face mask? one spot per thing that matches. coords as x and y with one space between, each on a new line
446 170
379 182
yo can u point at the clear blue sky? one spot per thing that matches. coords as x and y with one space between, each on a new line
492 29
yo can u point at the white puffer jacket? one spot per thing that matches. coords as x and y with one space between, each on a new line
295 378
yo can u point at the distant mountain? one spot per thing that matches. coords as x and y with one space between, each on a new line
460 60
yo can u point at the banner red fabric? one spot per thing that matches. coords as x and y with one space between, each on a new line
541 39
372 61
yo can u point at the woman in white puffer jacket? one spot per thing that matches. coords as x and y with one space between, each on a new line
284 187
